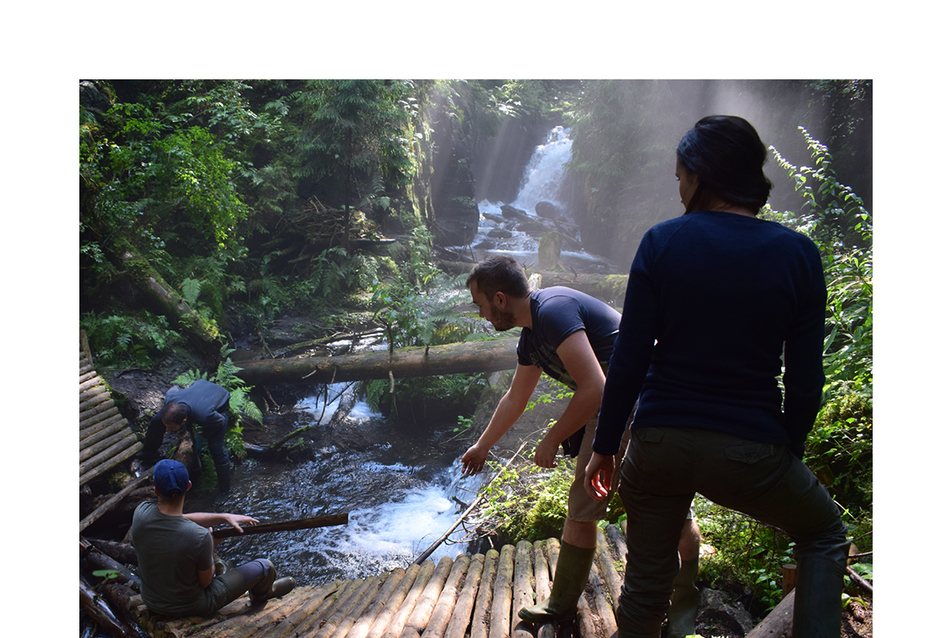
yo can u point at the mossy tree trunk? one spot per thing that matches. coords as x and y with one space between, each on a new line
455 358
202 334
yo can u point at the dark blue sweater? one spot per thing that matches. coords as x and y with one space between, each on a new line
717 303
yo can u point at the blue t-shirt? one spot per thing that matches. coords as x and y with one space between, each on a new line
720 307
557 312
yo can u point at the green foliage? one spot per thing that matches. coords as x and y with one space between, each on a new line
418 305
444 396
748 552
530 503
197 176
345 126
106 574
125 340
840 446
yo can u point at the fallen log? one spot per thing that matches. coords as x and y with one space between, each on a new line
484 598
102 614
102 509
609 288
500 623
454 358
779 622
95 559
284 526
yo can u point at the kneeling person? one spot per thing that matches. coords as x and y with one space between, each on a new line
174 549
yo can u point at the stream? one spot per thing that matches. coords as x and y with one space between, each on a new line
402 492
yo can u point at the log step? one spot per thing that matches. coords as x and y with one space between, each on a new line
478 596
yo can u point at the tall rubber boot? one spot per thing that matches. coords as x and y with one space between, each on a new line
817 608
685 598
224 477
571 575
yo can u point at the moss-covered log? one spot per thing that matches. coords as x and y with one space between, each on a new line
456 358
201 333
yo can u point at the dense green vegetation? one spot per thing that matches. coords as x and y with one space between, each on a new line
256 201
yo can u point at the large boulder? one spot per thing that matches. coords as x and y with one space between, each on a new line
548 210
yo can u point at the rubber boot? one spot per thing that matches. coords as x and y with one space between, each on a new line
224 477
281 587
817 606
571 575
682 613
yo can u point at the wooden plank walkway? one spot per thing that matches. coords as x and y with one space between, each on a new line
469 597
105 437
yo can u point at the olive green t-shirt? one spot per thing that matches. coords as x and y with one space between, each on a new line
171 551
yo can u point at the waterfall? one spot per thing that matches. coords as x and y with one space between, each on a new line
543 174
517 234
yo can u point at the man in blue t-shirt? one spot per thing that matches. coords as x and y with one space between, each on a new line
568 335
204 404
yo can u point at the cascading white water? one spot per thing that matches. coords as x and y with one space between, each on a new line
402 492
544 172
541 182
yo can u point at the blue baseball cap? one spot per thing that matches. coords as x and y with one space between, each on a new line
170 475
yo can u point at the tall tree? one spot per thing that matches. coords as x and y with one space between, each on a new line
357 133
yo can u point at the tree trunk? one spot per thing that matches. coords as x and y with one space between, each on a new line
779 622
102 614
455 358
201 333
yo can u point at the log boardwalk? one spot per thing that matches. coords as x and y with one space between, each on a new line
105 438
470 597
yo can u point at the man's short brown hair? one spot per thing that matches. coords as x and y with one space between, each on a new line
499 273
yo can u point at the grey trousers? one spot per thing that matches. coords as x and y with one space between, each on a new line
662 471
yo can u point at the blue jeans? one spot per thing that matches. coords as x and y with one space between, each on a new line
663 470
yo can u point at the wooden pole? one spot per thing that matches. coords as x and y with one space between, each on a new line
105 507
429 550
285 526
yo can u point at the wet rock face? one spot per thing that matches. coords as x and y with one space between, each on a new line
548 210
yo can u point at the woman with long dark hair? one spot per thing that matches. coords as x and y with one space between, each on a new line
721 342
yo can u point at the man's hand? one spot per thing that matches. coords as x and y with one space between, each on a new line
598 475
237 520
473 460
546 451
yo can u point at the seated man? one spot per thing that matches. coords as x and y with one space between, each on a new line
175 554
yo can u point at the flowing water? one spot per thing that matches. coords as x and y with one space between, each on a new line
402 492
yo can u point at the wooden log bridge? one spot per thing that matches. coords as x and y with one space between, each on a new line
105 437
475 596
454 358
